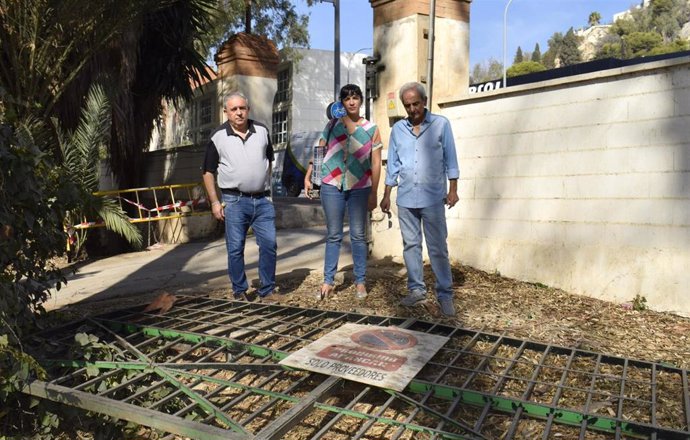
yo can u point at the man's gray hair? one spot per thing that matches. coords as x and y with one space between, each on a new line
413 85
226 98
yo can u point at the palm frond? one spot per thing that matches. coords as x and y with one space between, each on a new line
92 134
116 220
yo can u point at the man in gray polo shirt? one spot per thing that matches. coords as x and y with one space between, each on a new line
240 153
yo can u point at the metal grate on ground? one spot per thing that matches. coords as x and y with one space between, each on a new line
208 369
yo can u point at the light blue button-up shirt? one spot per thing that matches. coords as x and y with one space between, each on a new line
420 165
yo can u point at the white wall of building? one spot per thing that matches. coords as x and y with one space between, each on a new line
313 86
581 183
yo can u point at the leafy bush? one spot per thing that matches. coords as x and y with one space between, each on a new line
34 197
524 68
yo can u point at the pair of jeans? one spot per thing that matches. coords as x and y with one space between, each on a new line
334 203
241 213
432 220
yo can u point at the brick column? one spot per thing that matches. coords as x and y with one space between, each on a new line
249 64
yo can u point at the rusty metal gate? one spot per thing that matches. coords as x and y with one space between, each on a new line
208 369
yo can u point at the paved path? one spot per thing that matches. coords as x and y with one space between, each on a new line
201 265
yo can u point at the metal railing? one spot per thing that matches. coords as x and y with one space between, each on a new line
155 203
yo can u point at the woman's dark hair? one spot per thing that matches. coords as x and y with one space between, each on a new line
349 90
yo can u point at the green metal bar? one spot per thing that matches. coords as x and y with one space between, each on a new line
105 365
201 401
204 403
335 409
255 350
108 365
562 415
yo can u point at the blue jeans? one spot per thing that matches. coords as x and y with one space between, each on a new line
241 213
433 220
334 203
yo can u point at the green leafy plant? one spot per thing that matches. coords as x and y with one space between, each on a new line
81 154
639 303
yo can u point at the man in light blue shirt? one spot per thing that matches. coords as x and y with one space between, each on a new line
421 158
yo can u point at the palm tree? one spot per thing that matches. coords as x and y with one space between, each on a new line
156 55
594 19
81 151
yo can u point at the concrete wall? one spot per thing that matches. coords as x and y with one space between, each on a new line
581 183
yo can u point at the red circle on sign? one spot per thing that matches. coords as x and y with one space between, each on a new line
384 339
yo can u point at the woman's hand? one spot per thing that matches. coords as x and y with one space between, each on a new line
307 188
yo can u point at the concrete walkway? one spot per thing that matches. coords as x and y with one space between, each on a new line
197 265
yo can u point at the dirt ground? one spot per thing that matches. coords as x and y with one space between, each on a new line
490 303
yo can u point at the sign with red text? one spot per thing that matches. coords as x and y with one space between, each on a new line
386 357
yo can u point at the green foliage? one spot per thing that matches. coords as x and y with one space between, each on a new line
34 197
17 367
563 50
524 68
554 43
569 53
609 50
486 71
146 50
639 303
518 56
536 54
676 46
45 46
594 18
639 44
276 19
81 152
648 31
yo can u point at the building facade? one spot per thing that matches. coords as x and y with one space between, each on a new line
289 96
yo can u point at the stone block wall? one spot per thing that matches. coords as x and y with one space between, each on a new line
581 183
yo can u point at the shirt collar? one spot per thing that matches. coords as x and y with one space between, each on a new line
231 131
425 121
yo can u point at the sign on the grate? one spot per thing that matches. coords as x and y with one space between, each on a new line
386 357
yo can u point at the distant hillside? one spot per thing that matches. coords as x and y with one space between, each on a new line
655 27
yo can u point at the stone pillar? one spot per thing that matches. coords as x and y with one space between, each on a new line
401 40
249 64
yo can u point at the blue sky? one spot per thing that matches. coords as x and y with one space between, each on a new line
529 22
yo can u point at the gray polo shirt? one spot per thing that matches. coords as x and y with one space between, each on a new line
241 164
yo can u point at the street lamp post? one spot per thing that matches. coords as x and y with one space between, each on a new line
349 60
336 48
505 24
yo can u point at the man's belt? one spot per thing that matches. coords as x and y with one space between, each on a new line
237 192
